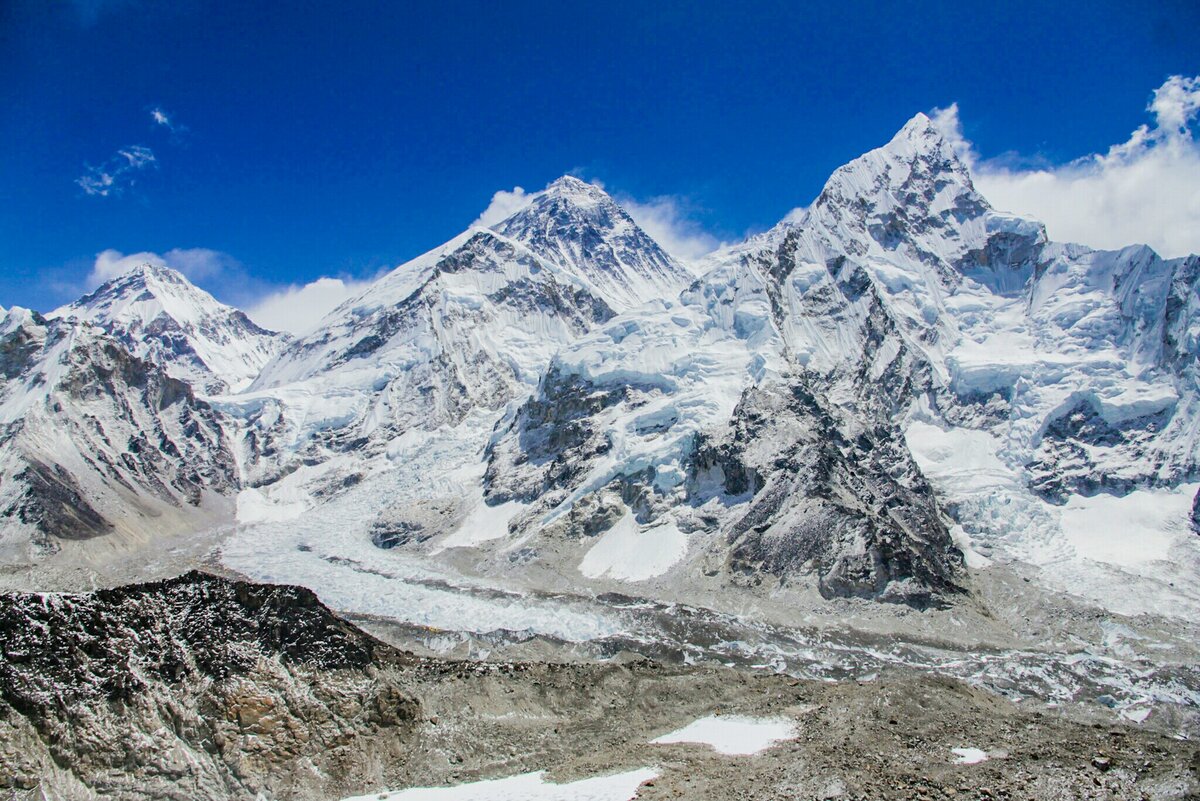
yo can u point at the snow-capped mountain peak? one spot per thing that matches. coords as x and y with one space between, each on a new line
912 204
915 175
578 191
166 319
579 227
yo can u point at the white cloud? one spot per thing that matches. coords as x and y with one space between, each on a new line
198 264
796 215
504 205
164 119
665 219
298 309
1144 190
113 176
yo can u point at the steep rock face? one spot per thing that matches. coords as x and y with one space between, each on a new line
95 439
194 687
162 318
858 513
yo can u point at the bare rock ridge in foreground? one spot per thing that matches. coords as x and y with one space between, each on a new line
195 687
199 687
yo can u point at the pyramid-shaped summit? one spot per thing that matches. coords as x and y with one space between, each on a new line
579 227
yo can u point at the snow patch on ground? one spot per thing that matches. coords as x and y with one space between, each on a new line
969 756
732 734
628 553
483 523
527 787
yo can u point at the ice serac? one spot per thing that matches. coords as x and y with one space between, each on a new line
579 227
163 318
96 441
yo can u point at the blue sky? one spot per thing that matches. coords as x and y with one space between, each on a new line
337 139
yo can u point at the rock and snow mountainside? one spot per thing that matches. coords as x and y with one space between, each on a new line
865 401
797 398
162 318
95 441
469 325
196 687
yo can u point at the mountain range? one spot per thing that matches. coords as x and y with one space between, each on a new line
873 400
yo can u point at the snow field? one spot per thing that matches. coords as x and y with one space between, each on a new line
732 735
526 787
629 553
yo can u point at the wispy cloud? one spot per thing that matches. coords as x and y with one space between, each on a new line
504 205
667 220
164 119
161 117
297 309
1144 190
198 264
118 173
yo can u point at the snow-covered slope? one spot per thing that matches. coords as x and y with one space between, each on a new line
95 441
161 317
469 325
786 401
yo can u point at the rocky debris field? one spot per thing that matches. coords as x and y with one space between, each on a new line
204 688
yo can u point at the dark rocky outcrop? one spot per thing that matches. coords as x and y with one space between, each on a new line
856 512
193 687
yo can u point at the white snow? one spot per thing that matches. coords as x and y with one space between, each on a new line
255 506
965 459
328 547
969 756
733 735
526 787
483 523
628 552
1137 714
1131 530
